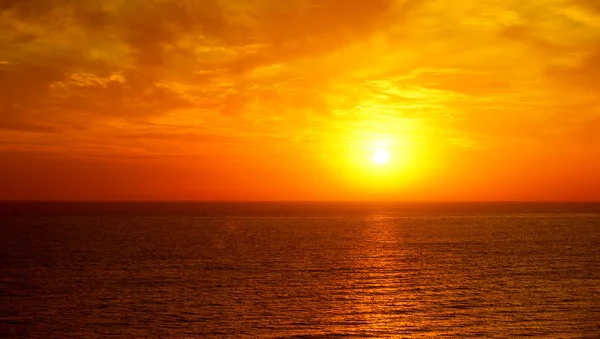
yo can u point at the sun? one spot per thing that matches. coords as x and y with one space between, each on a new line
381 157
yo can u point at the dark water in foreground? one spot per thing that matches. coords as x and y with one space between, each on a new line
255 270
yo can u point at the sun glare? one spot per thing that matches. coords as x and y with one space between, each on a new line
381 157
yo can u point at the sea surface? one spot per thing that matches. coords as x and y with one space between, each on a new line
299 270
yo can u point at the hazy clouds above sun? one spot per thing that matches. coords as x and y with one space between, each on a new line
151 78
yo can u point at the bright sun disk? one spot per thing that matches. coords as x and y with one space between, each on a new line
381 157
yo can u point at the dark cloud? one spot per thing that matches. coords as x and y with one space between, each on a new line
22 83
583 75
23 88
159 40
28 127
589 4
129 95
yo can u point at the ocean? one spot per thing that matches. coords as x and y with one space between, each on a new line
299 270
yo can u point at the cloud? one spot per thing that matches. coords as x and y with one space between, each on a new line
149 42
28 127
262 66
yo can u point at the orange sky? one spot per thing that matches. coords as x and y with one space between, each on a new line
288 99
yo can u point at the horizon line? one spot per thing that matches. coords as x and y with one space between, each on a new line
283 201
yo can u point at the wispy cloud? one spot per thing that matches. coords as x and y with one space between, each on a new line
467 74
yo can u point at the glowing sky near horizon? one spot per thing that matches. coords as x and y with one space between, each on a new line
287 100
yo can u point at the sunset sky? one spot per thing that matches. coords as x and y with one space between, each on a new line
290 99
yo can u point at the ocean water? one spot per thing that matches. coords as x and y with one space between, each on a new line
299 270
